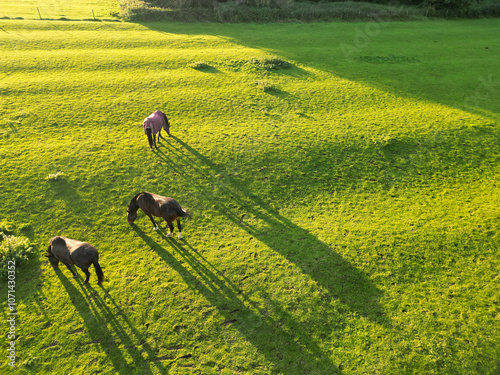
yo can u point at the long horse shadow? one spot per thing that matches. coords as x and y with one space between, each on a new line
282 341
341 279
106 329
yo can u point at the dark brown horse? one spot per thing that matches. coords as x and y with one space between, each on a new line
156 205
71 252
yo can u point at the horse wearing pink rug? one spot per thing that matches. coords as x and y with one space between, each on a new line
153 124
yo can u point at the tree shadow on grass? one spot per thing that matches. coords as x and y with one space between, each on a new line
110 328
271 330
341 279
340 51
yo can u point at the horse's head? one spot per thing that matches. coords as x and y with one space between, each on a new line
52 259
132 209
167 124
131 216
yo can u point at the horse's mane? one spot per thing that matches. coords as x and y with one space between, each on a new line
55 241
133 203
165 117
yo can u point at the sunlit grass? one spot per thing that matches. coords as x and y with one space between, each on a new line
59 9
342 223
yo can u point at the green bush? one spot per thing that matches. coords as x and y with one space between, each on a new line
199 65
265 86
463 8
263 11
451 7
13 248
489 10
54 176
270 63
231 12
178 4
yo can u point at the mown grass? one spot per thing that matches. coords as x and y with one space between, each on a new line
60 10
345 223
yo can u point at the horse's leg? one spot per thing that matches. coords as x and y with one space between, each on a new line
179 236
154 139
150 138
153 221
71 270
171 226
87 273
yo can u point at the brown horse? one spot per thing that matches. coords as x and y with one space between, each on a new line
71 252
156 205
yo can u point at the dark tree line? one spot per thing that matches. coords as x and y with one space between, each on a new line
452 5
457 7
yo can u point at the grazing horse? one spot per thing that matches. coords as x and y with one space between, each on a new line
71 252
156 205
153 124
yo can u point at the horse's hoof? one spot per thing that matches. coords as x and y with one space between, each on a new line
150 149
155 229
75 276
179 236
170 234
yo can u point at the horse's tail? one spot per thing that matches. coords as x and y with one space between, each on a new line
184 213
98 271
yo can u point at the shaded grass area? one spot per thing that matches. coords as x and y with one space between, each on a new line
344 223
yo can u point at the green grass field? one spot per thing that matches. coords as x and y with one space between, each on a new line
345 221
59 9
